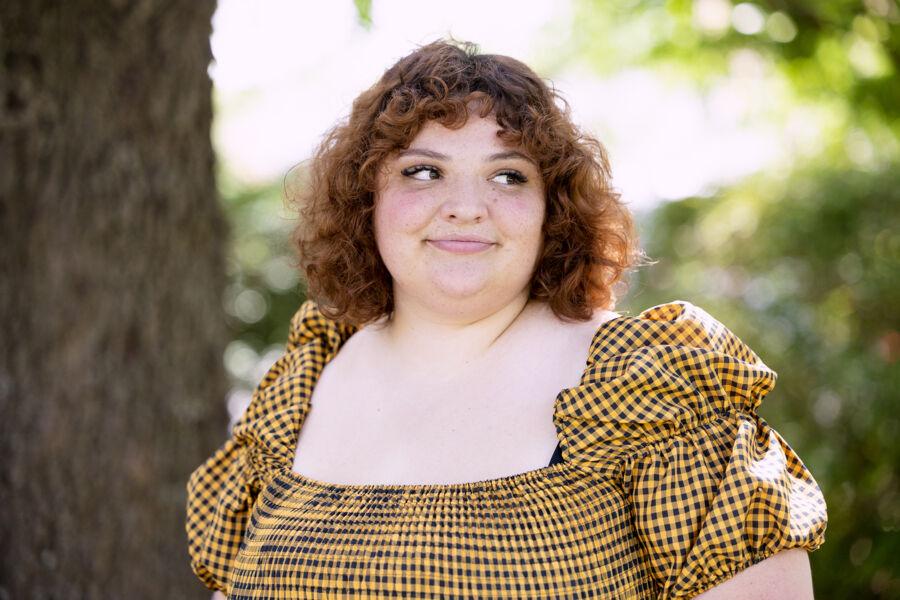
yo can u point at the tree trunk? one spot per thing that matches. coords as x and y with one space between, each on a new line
112 270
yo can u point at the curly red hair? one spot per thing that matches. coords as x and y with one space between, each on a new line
589 235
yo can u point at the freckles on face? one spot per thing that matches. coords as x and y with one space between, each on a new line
401 209
452 184
406 216
520 216
408 209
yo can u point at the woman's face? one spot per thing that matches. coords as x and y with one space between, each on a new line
458 218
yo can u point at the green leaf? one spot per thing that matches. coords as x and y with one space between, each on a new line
364 13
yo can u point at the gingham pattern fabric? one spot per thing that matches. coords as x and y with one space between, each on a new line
670 484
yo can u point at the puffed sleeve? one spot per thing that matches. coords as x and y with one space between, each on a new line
713 489
221 492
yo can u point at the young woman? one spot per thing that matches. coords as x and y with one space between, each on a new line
461 240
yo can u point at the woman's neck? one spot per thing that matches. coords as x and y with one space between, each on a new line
428 341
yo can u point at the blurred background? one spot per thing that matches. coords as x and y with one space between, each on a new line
758 144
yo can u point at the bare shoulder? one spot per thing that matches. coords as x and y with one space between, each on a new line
589 328
572 336
599 316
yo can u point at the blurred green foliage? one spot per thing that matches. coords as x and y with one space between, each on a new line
364 13
801 262
265 288
833 51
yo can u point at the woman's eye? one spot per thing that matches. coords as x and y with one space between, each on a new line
510 178
421 172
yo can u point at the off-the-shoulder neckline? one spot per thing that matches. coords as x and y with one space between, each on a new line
289 476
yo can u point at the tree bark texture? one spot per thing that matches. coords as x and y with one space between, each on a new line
112 258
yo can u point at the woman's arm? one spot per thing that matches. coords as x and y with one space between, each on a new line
783 576
218 596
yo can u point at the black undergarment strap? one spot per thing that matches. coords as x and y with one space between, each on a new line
557 455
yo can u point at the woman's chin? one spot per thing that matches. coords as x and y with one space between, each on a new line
461 287
460 290
448 293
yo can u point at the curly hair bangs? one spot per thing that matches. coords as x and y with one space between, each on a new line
589 235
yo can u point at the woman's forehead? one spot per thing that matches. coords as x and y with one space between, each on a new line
483 131
473 125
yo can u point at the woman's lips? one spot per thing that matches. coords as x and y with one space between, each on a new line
459 247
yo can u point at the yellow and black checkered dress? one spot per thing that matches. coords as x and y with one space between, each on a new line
670 484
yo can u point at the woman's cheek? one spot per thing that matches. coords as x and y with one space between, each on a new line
521 215
406 211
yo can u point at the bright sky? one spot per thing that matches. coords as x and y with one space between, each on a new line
285 71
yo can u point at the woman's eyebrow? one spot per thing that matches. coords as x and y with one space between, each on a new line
510 154
438 156
423 152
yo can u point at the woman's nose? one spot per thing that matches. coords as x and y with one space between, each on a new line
466 201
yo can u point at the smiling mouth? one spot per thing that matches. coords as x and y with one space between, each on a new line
460 247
